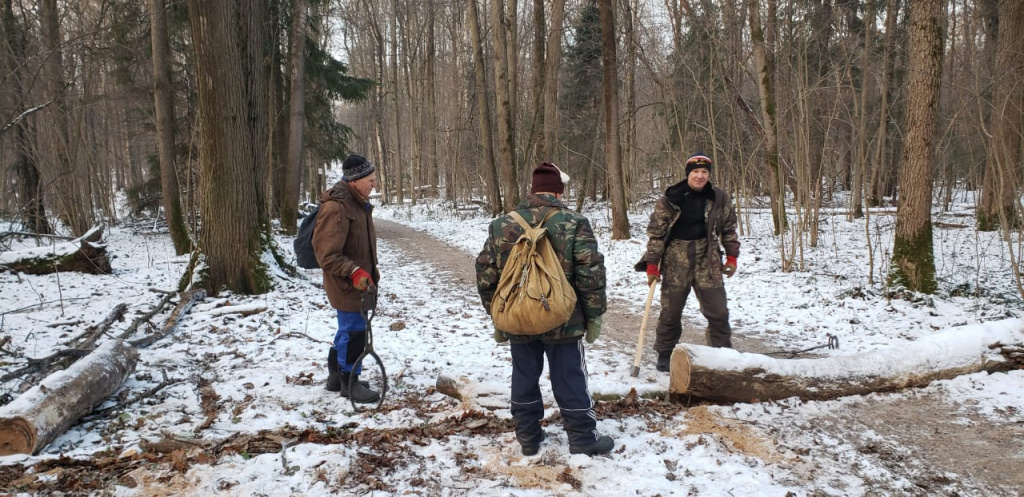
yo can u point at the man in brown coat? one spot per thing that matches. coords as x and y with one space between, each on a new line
345 244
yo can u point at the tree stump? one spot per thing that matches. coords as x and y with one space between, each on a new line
726 375
41 414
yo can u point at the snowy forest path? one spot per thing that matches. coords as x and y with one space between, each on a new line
927 438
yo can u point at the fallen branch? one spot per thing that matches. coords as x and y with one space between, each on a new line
43 363
143 395
147 316
727 375
188 299
94 332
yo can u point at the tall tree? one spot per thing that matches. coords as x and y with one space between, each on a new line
26 169
913 261
1007 123
764 61
503 107
230 40
484 111
163 100
552 63
297 117
610 97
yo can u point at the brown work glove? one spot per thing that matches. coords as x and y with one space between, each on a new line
653 274
729 268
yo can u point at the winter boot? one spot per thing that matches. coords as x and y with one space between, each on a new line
664 358
360 393
531 450
333 371
603 445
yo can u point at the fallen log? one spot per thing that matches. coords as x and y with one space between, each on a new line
84 255
726 375
40 415
473 394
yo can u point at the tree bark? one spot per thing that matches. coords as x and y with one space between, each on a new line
38 416
484 112
163 97
726 375
997 207
503 107
230 43
765 65
297 119
553 62
610 97
913 260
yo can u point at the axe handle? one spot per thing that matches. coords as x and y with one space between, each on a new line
643 329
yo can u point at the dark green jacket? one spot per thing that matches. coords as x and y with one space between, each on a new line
573 240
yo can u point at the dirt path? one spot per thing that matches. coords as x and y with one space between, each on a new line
922 438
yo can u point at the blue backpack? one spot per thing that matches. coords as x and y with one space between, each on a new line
303 245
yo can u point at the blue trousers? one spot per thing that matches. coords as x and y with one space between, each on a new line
350 339
568 383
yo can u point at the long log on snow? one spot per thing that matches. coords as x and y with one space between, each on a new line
41 414
726 375
84 255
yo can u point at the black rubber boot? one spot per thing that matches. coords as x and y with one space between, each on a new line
333 371
603 445
664 358
360 393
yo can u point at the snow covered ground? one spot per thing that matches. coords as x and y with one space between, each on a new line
263 373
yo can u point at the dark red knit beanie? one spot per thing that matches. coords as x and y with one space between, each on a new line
547 178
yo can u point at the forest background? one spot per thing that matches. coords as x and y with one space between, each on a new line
225 115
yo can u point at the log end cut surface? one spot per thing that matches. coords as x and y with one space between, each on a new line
17 436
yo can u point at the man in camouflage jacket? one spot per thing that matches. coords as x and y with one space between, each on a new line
690 226
573 240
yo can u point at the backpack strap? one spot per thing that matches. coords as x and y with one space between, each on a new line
522 221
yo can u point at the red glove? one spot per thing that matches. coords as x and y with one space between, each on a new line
729 268
361 280
653 274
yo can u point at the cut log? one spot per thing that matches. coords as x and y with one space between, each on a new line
84 255
726 375
41 414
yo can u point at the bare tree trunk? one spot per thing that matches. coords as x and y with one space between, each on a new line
163 96
536 153
765 64
610 94
26 169
73 208
396 160
503 109
629 149
231 75
1000 188
484 112
552 62
431 97
297 118
913 261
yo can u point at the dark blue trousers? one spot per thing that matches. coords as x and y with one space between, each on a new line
568 382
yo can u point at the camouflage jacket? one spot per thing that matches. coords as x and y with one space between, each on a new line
719 214
572 238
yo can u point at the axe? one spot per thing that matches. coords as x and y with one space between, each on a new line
643 329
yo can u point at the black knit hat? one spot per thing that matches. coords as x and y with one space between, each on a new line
547 178
698 161
355 167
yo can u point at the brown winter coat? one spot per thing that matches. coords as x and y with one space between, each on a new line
344 240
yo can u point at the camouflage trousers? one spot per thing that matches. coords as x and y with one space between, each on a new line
684 266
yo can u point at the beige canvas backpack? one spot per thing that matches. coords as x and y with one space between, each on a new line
533 295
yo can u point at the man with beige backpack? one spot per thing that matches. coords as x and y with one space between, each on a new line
572 240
